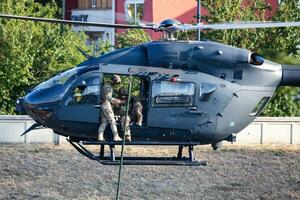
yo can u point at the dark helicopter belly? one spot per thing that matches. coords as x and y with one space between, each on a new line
88 131
173 135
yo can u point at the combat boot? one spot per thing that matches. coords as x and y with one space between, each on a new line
128 135
100 137
117 138
128 138
138 123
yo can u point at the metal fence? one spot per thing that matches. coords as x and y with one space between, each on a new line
264 130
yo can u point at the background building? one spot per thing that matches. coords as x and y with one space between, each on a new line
93 11
124 11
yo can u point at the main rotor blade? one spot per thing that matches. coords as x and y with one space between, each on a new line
79 23
239 25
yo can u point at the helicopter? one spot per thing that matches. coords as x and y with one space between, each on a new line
192 92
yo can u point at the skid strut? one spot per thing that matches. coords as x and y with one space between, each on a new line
112 159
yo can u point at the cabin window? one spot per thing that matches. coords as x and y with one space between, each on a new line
85 92
167 93
260 106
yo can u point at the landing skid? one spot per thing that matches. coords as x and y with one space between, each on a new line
113 160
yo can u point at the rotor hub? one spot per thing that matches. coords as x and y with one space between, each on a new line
169 25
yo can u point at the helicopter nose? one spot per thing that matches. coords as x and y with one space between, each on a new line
19 106
37 107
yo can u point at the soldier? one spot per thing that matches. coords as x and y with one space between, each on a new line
78 91
137 113
123 95
107 114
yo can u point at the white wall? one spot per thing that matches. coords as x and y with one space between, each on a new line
12 126
275 130
264 130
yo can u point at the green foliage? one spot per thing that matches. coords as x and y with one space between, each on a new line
280 39
283 103
97 48
132 37
31 52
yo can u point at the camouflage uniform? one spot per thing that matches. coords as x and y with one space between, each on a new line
107 114
121 110
77 95
125 127
137 113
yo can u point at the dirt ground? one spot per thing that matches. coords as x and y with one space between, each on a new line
234 172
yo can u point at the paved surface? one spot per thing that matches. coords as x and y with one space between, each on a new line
59 172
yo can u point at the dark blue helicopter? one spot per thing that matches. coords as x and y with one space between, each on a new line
192 92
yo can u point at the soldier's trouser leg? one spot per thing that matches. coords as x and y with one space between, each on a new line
125 127
139 117
110 117
102 127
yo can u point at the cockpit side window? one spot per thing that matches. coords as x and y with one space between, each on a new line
86 91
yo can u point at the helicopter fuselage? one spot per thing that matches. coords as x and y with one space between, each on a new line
221 90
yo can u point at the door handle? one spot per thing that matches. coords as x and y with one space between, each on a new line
97 106
194 110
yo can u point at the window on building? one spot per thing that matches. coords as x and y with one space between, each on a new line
167 93
100 4
94 3
94 41
82 18
134 10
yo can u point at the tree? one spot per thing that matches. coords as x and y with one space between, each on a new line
283 103
280 39
31 52
132 37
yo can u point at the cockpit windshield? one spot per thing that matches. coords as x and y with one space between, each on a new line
60 79
53 89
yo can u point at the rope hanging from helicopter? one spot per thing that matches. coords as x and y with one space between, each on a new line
124 133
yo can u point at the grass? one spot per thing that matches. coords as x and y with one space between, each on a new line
234 172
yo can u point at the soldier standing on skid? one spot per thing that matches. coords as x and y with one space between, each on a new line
107 114
121 110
